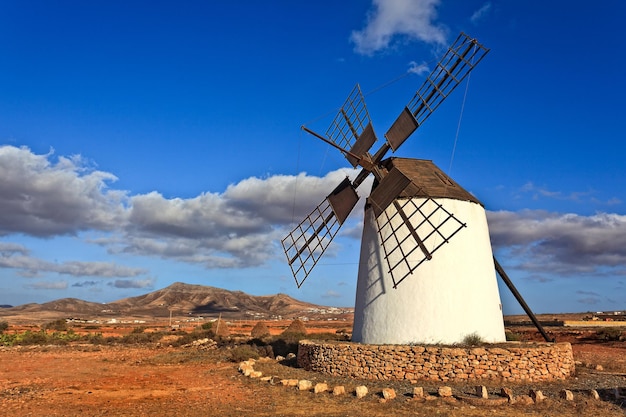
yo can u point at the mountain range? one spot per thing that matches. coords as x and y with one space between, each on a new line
181 299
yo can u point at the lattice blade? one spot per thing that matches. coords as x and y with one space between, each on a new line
306 244
413 230
352 128
460 59
388 190
343 199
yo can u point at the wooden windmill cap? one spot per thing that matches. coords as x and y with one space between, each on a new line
427 180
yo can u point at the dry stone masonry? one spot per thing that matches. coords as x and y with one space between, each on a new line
444 392
512 361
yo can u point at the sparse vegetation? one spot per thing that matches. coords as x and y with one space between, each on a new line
4 326
59 325
514 337
140 337
243 353
186 338
472 339
38 338
612 334
328 336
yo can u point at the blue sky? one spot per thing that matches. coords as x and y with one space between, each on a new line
143 143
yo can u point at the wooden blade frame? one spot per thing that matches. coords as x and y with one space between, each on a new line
352 128
416 228
343 199
390 186
306 244
460 59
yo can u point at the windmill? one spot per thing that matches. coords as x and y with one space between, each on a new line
426 269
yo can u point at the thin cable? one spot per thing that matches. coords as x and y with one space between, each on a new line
387 84
458 127
456 139
369 93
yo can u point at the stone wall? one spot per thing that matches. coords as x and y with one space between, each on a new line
511 361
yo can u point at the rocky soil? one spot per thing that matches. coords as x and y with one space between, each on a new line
90 380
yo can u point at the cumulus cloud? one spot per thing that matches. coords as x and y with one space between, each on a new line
563 244
236 228
241 226
129 283
85 284
44 198
389 19
17 257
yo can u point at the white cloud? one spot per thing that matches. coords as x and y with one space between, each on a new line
17 257
129 283
42 198
543 192
237 228
412 19
331 294
481 13
419 69
241 227
563 244
55 285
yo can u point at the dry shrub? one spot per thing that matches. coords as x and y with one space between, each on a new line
296 327
243 353
260 330
220 328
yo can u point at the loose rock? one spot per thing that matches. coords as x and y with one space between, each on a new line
360 391
418 392
567 395
536 395
305 385
389 393
320 387
445 391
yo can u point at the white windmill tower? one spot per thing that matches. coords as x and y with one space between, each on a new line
406 294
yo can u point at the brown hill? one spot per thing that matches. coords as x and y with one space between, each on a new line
180 298
68 306
201 299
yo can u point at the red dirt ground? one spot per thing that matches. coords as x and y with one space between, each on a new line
89 380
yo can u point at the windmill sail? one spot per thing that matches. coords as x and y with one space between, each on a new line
306 244
460 59
352 128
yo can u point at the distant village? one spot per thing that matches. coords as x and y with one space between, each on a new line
606 316
322 313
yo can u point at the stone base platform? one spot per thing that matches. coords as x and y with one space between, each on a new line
510 361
